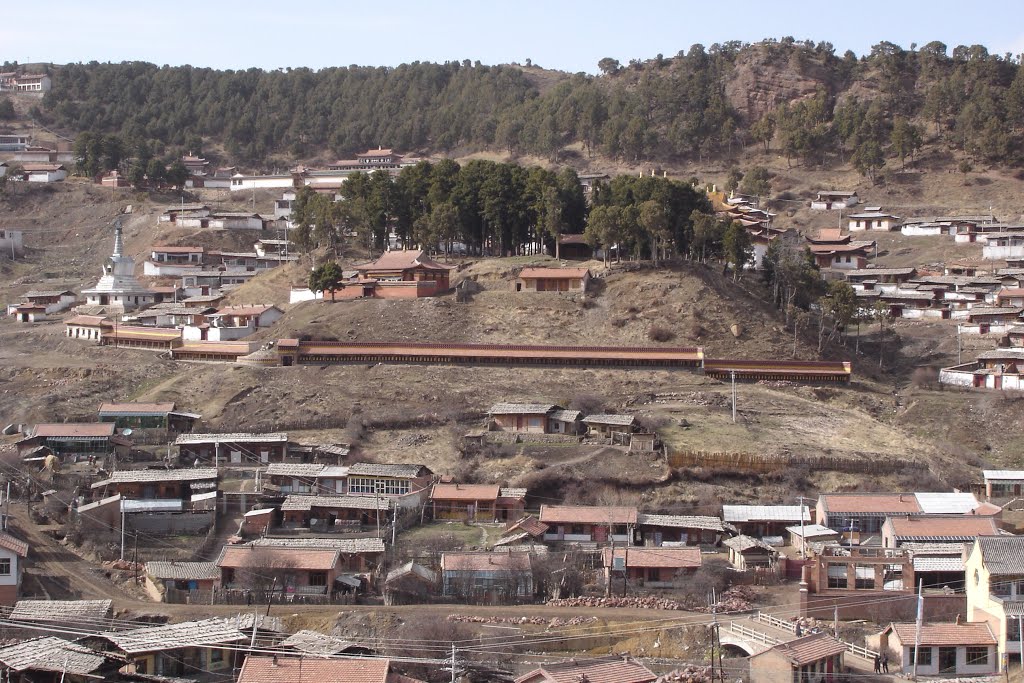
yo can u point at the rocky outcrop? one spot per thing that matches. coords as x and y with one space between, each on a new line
760 82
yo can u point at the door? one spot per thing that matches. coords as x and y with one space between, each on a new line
264 456
947 660
236 457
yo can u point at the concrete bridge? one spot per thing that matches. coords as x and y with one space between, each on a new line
759 632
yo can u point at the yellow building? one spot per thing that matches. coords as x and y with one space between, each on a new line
994 574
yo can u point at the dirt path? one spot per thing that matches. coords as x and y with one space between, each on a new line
56 567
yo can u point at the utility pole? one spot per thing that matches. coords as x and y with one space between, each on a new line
917 632
122 528
453 662
959 347
1020 641
803 539
270 597
135 558
733 373
376 502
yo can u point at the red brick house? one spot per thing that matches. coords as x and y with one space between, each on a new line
233 449
334 513
613 669
262 669
588 524
301 566
649 567
13 552
477 502
553 280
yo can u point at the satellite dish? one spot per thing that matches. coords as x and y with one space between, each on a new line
313 522
127 431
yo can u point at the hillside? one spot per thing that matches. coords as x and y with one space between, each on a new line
419 413
701 104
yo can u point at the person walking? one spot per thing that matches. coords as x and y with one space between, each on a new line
885 663
878 664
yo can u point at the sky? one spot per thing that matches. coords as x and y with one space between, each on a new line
570 35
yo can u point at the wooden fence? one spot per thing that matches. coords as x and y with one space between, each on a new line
773 462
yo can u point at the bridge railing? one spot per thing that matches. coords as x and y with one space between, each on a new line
753 634
855 650
776 622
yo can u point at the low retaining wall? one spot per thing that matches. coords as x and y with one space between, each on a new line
753 462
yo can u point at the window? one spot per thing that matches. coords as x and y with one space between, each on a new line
5 567
977 656
924 656
216 656
865 577
368 486
653 574
1012 629
837 576
318 578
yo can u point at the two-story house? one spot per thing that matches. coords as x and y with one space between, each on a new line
995 589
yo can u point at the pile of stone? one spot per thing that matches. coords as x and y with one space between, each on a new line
688 674
631 602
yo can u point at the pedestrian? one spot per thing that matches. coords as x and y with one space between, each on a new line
878 664
885 663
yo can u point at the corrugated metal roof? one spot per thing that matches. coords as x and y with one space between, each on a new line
765 513
1010 475
149 505
953 503
810 531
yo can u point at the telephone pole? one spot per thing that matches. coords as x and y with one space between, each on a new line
733 374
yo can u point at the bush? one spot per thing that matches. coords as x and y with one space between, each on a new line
696 588
589 404
618 322
660 333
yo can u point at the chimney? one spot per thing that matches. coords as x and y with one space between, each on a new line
273 662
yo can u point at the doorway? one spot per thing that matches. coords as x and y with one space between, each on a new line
947 660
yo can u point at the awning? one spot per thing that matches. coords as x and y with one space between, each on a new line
350 581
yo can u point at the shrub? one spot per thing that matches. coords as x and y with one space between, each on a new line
660 333
589 404
618 322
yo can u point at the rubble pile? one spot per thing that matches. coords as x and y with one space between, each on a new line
556 622
735 599
689 674
123 565
633 602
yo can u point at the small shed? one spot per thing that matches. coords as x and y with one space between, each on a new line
553 280
409 584
747 552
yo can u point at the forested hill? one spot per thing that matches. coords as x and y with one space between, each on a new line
799 97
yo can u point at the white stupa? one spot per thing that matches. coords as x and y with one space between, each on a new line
118 289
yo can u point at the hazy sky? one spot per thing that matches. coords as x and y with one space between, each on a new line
564 34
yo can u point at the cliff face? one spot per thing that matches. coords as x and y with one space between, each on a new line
759 83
